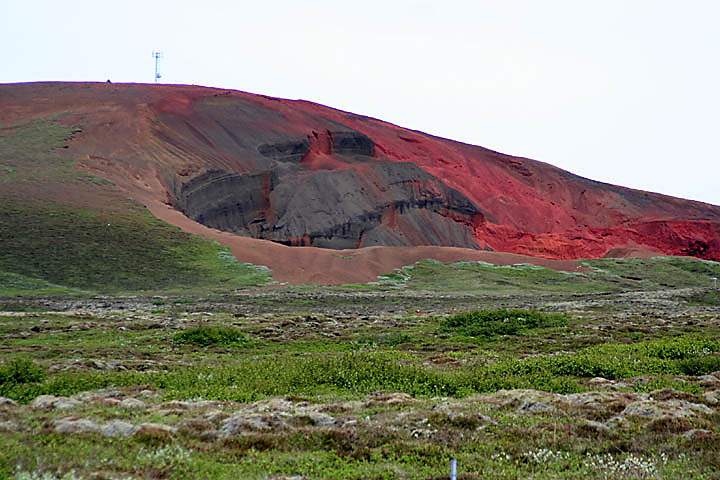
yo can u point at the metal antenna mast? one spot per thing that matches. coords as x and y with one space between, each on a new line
157 56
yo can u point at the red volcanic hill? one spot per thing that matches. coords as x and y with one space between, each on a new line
304 175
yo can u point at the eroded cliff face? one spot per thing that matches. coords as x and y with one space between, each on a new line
363 201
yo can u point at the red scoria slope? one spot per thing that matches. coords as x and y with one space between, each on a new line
301 174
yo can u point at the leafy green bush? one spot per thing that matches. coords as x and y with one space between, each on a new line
21 371
212 335
680 348
491 323
700 365
682 355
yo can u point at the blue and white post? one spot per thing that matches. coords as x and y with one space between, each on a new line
453 469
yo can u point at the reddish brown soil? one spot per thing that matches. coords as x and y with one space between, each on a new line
148 138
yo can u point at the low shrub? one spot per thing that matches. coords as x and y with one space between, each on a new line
21 371
391 339
212 335
491 323
700 365
680 348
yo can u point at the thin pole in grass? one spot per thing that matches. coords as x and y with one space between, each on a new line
715 280
453 469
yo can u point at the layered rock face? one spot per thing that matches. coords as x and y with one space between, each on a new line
303 174
364 201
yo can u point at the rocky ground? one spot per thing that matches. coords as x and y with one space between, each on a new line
336 384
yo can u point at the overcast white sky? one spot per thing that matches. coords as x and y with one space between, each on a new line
623 91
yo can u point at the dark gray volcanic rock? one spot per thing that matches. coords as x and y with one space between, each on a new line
366 201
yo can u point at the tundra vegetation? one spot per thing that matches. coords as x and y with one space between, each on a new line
372 382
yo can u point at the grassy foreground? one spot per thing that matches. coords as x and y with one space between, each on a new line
177 389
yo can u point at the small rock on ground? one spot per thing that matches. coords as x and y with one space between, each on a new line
76 425
51 402
665 409
156 430
9 426
132 403
118 428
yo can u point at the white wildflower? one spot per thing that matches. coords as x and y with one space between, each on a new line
169 456
545 455
631 466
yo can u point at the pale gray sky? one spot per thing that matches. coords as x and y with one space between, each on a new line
623 91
